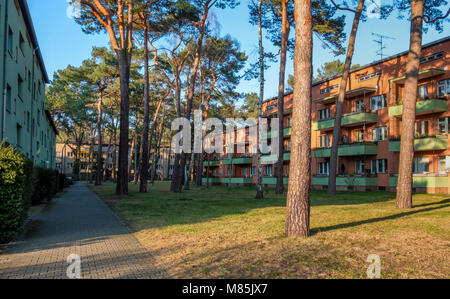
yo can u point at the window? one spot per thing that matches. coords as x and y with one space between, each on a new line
29 80
444 164
253 171
28 121
359 106
370 76
379 166
289 122
443 88
8 98
58 165
10 41
359 166
379 134
444 125
423 91
378 103
19 136
268 170
421 165
22 44
328 89
324 114
20 86
421 128
324 168
271 107
358 135
432 57
324 141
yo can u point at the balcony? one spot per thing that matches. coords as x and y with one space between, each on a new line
359 181
211 180
346 150
272 159
237 161
268 135
423 144
348 120
422 107
424 181
211 163
273 181
245 181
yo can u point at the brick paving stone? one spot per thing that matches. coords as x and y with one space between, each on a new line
79 223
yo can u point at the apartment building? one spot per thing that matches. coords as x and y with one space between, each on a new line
371 129
25 122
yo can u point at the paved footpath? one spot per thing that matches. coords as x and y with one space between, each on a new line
79 223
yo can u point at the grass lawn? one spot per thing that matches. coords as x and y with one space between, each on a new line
225 233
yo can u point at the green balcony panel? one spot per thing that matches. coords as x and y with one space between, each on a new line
422 107
272 159
287 132
322 153
357 149
211 163
422 144
226 161
347 181
425 181
360 118
211 180
273 181
239 161
348 120
237 181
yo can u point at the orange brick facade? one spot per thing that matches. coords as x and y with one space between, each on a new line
371 128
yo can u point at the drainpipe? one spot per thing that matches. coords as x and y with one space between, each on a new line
4 72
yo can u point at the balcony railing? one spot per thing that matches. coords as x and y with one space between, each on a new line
348 120
235 180
424 181
211 163
422 107
238 161
426 143
360 181
353 149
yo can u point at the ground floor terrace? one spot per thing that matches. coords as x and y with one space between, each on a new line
362 166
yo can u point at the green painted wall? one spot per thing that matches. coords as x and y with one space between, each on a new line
356 149
422 144
26 100
346 181
422 107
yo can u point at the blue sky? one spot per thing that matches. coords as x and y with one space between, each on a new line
62 42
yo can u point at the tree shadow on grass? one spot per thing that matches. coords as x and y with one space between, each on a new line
380 219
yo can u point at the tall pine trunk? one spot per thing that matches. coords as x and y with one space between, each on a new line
145 139
124 70
285 30
298 200
259 188
404 187
98 176
341 99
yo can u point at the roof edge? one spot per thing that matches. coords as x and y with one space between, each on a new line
29 23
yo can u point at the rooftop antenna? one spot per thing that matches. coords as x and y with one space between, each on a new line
381 41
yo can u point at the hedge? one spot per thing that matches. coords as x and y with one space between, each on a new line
15 191
45 184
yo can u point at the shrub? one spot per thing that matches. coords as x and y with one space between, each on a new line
62 181
45 184
15 191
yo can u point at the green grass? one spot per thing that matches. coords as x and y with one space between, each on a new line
226 233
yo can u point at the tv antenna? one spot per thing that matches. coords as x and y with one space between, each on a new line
381 41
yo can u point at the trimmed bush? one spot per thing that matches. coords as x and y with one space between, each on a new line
15 191
45 184
62 181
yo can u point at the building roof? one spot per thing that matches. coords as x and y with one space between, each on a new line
29 23
442 40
